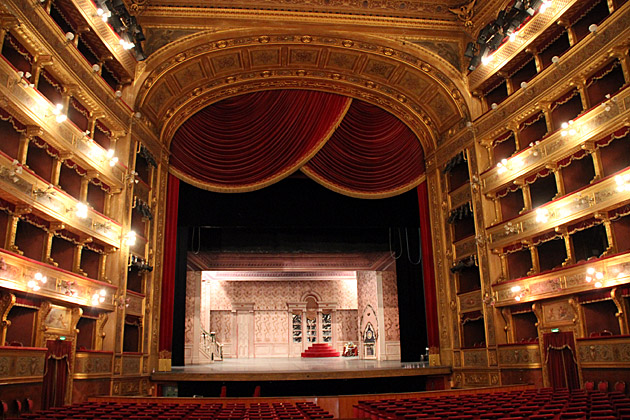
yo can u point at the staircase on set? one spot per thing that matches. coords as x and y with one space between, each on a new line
320 350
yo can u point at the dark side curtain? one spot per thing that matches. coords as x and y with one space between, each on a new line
372 154
560 358
56 373
250 141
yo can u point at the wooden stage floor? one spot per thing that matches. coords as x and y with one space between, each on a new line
296 368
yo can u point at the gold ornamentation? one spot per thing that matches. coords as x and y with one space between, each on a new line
465 13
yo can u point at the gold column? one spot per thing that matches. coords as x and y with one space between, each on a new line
25 138
47 251
612 242
12 228
100 330
7 300
76 263
6 23
537 59
569 246
56 167
621 53
581 87
535 260
557 173
39 63
570 32
598 165
546 109
527 198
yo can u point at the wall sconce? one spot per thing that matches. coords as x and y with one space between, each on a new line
23 78
567 130
113 160
68 288
510 228
47 192
16 169
519 292
542 215
131 177
98 225
608 102
60 116
130 238
594 275
99 297
502 166
122 302
593 29
535 148
103 14
38 279
623 183
555 59
544 6
80 210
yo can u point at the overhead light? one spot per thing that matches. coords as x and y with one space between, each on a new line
486 59
542 215
40 278
99 297
545 5
513 36
110 153
515 289
113 161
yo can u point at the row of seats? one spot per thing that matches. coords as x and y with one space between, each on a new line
602 386
533 404
19 406
190 411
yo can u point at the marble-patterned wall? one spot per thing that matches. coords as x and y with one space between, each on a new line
390 306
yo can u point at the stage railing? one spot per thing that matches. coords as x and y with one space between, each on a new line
210 346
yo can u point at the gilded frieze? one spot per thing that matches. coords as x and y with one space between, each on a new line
470 301
475 358
21 365
92 364
460 196
131 364
525 355
604 352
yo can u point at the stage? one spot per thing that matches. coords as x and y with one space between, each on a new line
303 376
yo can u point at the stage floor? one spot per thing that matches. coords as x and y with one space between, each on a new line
297 368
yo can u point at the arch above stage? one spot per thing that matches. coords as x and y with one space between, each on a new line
413 84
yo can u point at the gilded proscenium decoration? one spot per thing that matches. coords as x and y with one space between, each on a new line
555 146
575 66
31 108
616 271
465 13
376 70
60 285
30 190
536 25
596 198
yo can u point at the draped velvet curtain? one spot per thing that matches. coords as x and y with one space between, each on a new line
560 358
371 155
251 141
56 374
170 259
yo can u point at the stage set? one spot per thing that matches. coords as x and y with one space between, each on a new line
297 325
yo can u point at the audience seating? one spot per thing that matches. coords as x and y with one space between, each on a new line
531 404
187 411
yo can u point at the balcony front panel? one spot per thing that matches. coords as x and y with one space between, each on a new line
16 272
604 352
92 364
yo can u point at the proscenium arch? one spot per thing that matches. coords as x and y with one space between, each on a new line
196 71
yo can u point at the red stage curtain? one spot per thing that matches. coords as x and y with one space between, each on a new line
371 155
56 374
251 141
560 359
428 271
168 268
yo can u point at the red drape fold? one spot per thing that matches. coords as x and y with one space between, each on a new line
56 374
168 267
428 271
371 155
251 141
560 358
